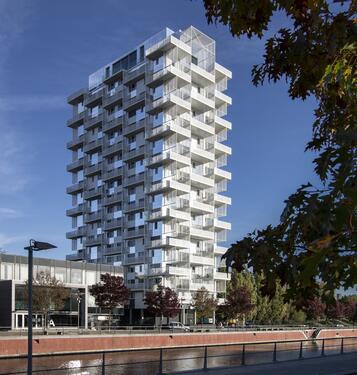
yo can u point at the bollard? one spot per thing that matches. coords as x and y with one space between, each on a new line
274 354
300 353
160 363
323 348
103 364
243 355
341 352
205 359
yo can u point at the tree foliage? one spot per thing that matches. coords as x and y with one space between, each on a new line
317 234
315 308
162 302
48 294
204 304
110 292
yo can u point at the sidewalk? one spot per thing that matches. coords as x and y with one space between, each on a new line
335 365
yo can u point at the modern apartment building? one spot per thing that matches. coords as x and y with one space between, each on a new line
147 158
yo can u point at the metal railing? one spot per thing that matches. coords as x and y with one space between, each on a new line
166 360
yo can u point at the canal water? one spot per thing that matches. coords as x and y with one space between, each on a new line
178 359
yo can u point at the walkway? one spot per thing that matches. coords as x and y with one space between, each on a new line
335 365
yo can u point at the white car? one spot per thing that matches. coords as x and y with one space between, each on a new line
176 325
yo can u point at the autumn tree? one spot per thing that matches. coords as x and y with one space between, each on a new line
204 304
315 308
239 303
48 294
162 302
110 293
316 55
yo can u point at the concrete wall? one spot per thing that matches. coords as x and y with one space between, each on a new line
43 344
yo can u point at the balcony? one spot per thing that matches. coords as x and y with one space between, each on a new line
179 125
204 259
135 179
93 240
137 232
201 234
134 74
75 165
76 120
92 193
221 199
93 169
76 96
134 206
76 257
93 216
221 72
112 123
166 44
180 97
222 98
79 232
196 285
176 69
113 249
203 153
221 174
92 122
130 102
176 153
114 148
222 124
136 153
202 75
178 271
221 149
221 225
113 223
93 145
75 188
201 181
77 210
133 259
134 127
114 97
221 276
75 142
116 197
199 207
94 98
112 174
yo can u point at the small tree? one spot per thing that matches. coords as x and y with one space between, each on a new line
315 308
336 310
48 294
162 302
239 303
204 304
110 293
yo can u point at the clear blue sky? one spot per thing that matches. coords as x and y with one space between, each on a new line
48 49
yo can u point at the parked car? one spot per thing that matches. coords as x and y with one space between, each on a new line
176 326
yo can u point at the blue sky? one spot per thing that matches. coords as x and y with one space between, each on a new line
48 49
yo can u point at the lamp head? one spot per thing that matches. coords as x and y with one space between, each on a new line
38 246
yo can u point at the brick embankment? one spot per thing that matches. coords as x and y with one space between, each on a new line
59 344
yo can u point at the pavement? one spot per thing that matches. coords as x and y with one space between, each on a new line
330 365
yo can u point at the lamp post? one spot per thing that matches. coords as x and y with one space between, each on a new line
34 246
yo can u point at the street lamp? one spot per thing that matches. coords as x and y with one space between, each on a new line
34 246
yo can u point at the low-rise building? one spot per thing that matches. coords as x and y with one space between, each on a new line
78 311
